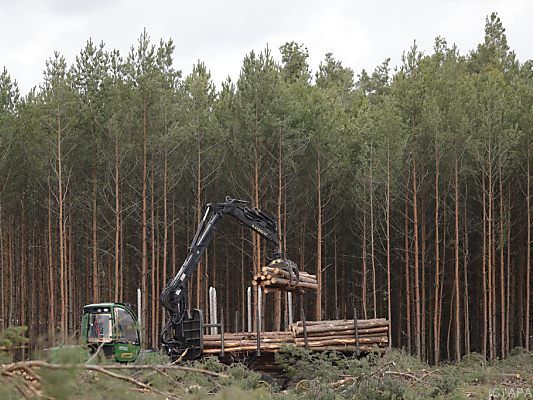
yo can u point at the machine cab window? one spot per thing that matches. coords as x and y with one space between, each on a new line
99 329
125 326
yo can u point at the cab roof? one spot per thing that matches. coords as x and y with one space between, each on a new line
90 307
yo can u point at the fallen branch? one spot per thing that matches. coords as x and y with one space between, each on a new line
180 357
100 346
43 364
404 375
26 365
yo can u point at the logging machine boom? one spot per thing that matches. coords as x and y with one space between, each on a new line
184 329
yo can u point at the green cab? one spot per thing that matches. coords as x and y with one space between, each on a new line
114 328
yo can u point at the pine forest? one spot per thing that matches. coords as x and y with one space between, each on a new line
407 190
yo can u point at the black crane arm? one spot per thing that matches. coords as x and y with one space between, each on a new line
174 295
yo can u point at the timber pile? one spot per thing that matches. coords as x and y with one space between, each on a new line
274 279
338 335
247 341
341 335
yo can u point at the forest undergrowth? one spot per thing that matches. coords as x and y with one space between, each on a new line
302 375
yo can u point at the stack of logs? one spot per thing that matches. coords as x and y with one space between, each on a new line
274 278
342 335
337 335
247 341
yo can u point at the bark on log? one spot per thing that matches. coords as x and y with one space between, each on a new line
338 341
285 282
303 277
338 335
351 332
379 321
334 327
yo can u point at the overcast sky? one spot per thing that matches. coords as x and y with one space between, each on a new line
220 32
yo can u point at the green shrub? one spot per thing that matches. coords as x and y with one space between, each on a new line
10 339
69 354
152 358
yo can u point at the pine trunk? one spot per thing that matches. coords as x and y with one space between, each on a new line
407 280
96 284
465 275
62 277
527 344
436 334
502 270
490 264
484 272
364 283
144 238
153 272
318 310
51 274
372 250
456 280
165 228
416 277
277 294
389 289
117 223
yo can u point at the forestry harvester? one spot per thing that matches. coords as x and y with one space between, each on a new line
114 325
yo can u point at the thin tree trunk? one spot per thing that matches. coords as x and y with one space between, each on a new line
484 272
407 280
96 284
61 232
277 294
364 284
71 282
198 219
490 244
502 270
508 279
144 238
117 223
423 296
244 296
436 335
165 226
10 272
335 279
23 266
153 274
255 237
465 275
318 311
121 258
389 290
456 287
51 274
441 278
528 254
416 277
372 250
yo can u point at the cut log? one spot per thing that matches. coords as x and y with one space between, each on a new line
273 279
336 335
346 349
271 272
350 332
378 321
285 282
331 327
338 341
